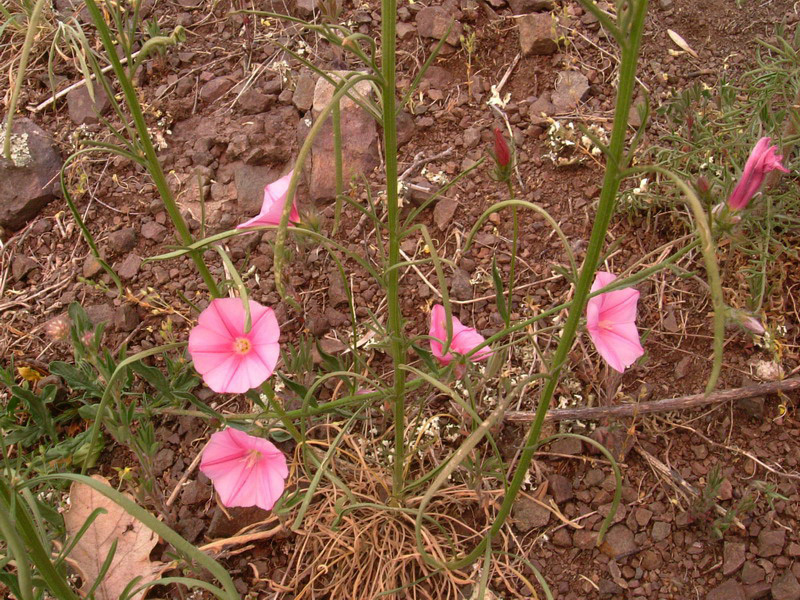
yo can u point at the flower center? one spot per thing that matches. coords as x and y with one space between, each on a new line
607 325
242 345
252 457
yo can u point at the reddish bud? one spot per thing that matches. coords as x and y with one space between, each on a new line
702 184
502 153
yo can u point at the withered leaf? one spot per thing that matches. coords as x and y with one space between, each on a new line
134 543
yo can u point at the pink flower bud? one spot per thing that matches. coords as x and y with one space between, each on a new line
502 153
763 159
58 328
702 184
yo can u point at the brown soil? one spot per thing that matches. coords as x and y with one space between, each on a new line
660 547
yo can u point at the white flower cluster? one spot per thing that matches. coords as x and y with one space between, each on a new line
569 146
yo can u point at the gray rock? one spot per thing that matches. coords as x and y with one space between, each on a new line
122 241
30 180
250 182
406 30
757 591
129 267
472 137
560 487
752 573
732 557
433 22
305 8
661 531
438 77
727 590
460 287
126 318
216 88
542 108
786 587
21 266
406 127
529 515
359 141
618 542
770 542
571 89
100 313
303 96
337 294
253 102
570 446
523 7
538 34
154 231
85 111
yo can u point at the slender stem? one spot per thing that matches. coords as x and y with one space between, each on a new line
513 264
605 210
146 145
17 551
395 318
337 156
33 24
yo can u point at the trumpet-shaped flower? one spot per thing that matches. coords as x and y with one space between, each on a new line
611 321
245 470
275 195
229 359
464 338
763 159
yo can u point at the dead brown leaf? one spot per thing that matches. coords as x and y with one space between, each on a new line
134 543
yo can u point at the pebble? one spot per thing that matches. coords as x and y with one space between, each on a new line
770 542
728 590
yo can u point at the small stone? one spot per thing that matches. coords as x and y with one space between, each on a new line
661 531
560 487
30 180
523 7
529 515
562 539
122 240
433 22
683 367
129 267
665 4
541 109
337 294
21 266
91 267
752 406
216 88
618 542
126 318
443 213
538 34
770 542
460 287
406 127
607 588
756 591
725 490
727 590
406 30
303 96
786 587
305 8
571 89
154 231
651 560
85 111
253 102
472 137
732 557
250 181
643 516
752 573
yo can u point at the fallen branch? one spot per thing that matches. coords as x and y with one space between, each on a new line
680 403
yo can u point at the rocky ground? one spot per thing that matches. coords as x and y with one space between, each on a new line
229 111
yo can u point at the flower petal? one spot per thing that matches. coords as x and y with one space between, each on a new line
619 306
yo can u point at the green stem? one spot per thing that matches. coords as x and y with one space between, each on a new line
513 264
33 24
17 551
395 318
337 156
605 210
147 148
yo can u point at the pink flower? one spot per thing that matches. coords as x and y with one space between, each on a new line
245 470
762 160
464 338
274 200
611 321
230 360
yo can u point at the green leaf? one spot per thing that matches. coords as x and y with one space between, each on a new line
500 296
